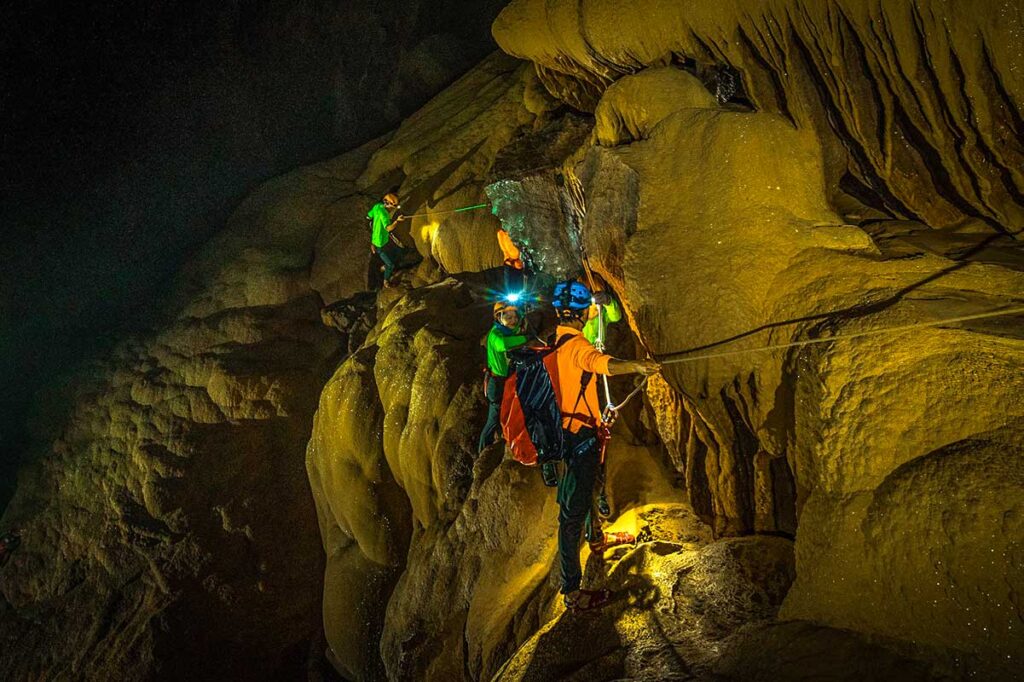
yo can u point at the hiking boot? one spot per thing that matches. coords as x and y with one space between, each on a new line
586 600
610 540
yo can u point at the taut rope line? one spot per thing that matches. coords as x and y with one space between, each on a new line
672 358
414 215
669 359
454 210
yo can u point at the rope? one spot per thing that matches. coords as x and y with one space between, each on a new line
454 210
613 409
672 358
578 205
600 348
616 408
414 215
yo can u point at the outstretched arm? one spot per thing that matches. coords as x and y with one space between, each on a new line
645 367
391 230
592 360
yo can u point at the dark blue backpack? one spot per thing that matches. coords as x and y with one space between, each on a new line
531 421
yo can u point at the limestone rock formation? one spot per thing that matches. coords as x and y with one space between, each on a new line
171 522
441 157
170 531
670 177
847 509
133 133
768 261
916 104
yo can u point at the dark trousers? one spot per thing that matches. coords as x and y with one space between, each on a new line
389 255
495 389
575 502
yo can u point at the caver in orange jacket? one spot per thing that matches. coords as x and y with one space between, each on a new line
575 358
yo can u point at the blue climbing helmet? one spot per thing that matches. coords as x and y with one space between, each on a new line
571 295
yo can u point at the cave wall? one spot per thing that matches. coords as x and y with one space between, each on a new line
169 531
916 104
133 131
417 380
767 261
755 235
714 223
161 516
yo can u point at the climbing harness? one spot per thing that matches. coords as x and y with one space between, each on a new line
604 430
673 358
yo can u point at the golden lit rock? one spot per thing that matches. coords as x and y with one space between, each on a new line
760 178
916 102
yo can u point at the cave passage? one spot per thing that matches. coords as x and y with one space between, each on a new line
516 341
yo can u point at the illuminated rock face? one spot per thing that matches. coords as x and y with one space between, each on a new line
711 223
893 460
916 104
728 234
729 205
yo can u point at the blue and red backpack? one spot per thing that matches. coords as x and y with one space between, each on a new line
531 421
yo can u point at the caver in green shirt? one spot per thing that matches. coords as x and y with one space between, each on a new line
612 313
381 219
499 340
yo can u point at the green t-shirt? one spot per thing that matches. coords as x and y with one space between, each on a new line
381 219
612 313
499 340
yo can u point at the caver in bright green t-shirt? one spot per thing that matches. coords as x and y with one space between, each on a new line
381 219
612 313
500 340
